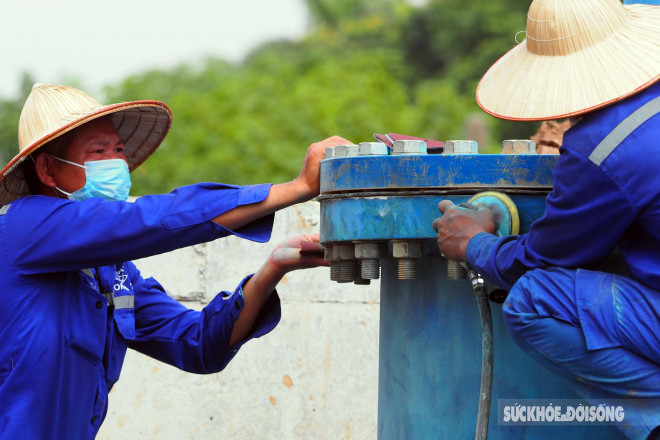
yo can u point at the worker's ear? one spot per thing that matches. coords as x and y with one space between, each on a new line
43 166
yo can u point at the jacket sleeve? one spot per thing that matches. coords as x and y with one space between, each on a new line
585 215
194 341
46 234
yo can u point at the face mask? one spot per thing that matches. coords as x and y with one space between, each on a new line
108 179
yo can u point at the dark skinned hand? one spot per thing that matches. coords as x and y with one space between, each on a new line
458 225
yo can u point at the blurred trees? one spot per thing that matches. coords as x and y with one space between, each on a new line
10 111
367 66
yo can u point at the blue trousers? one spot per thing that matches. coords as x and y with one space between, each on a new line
600 330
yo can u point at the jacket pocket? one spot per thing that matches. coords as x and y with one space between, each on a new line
86 326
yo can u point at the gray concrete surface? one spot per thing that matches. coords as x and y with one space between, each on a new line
314 377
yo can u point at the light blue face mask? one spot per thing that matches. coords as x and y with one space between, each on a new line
108 179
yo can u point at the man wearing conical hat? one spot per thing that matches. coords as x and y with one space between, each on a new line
598 63
72 302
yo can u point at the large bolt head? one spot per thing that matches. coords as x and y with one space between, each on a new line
461 147
345 251
328 254
409 147
346 150
367 251
518 146
372 149
406 249
330 153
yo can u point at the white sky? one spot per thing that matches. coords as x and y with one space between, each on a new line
100 43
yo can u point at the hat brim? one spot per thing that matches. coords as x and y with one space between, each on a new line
524 86
142 125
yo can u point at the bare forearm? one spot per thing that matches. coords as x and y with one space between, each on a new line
280 196
256 292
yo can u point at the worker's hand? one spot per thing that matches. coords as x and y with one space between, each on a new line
287 256
310 173
458 225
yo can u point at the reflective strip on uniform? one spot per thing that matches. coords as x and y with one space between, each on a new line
4 209
124 302
623 130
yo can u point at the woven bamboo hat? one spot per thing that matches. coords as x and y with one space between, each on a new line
579 55
51 111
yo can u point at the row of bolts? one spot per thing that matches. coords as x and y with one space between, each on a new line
417 147
359 262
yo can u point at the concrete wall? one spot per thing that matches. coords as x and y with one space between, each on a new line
313 377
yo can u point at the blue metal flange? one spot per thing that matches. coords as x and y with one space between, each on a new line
396 197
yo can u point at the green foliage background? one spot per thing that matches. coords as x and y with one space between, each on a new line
366 66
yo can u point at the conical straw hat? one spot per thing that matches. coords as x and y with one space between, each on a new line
51 111
579 55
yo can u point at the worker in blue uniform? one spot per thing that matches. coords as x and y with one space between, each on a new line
596 62
72 302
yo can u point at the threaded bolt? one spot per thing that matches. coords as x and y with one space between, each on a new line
407 268
455 271
407 253
518 146
348 270
346 150
461 147
360 280
408 146
370 269
334 271
369 254
372 149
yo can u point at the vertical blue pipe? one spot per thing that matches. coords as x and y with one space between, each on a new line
430 363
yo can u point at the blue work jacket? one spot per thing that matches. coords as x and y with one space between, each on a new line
606 194
71 302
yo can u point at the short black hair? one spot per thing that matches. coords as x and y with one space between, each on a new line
57 147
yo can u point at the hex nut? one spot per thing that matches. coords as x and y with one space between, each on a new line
409 146
461 147
328 254
345 252
368 251
518 146
372 149
330 153
406 249
346 150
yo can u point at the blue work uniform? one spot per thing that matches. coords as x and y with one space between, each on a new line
72 303
600 329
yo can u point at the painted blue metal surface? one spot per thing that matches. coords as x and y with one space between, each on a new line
437 171
430 339
400 217
430 364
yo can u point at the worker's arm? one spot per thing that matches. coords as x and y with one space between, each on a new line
205 341
285 258
99 232
303 188
585 216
